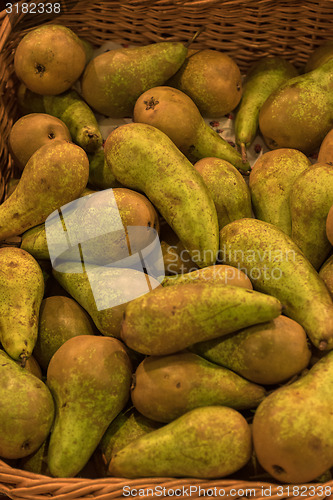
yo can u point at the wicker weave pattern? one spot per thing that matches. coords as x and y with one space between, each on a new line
246 30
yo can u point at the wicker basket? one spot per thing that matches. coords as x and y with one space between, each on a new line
244 29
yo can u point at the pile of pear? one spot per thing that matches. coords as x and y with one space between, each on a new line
221 358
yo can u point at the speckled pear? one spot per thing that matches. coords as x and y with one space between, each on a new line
208 442
89 378
144 159
56 174
298 114
311 198
112 81
21 294
199 311
166 387
276 265
292 433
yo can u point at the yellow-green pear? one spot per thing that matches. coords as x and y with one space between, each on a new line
292 433
271 180
56 174
26 410
89 377
112 81
166 387
144 159
277 266
21 294
311 198
171 318
208 442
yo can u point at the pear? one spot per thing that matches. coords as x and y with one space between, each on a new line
79 118
271 180
292 427
31 132
226 275
175 114
265 76
103 291
325 154
60 318
112 81
110 225
166 387
89 378
143 158
26 410
128 426
208 442
269 353
176 259
199 311
49 59
56 174
311 198
277 266
229 190
326 274
298 114
212 79
21 294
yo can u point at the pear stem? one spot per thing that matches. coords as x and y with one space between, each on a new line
322 345
195 36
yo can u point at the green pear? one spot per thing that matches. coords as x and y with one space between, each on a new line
311 198
28 101
228 188
143 158
199 311
21 294
212 79
70 108
223 274
89 378
271 180
49 59
60 318
102 223
56 174
128 426
166 387
103 291
267 354
264 77
26 410
292 433
326 274
298 114
112 81
208 442
175 114
277 266
32 131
